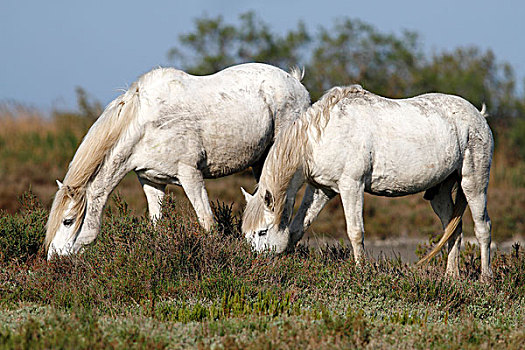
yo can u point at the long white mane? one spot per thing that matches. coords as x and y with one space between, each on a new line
290 152
100 139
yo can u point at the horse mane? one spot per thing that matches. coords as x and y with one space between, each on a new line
99 140
290 152
318 115
253 215
283 160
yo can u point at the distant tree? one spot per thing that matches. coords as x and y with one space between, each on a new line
516 137
355 52
472 74
215 45
257 43
211 47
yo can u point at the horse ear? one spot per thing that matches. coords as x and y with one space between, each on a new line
60 185
268 200
247 196
69 191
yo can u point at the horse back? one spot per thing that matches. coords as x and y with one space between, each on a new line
398 147
221 123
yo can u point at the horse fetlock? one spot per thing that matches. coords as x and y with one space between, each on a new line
356 236
452 270
359 251
207 223
486 275
484 240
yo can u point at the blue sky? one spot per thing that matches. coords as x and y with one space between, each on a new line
48 48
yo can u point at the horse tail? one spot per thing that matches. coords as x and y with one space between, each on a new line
459 209
483 111
297 73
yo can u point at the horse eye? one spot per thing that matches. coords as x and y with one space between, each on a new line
68 222
262 233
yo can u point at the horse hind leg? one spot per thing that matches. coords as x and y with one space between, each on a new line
474 186
154 196
440 198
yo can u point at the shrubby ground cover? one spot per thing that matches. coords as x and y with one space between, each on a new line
174 285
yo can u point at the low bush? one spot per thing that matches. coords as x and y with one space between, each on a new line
174 275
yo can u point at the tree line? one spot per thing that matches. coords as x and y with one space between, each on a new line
352 51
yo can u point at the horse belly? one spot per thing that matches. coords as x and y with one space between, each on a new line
224 159
410 166
232 147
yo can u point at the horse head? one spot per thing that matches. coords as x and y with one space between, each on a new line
65 221
259 225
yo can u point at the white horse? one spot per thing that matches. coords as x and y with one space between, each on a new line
173 128
352 141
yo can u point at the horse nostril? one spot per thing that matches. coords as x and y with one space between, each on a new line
263 232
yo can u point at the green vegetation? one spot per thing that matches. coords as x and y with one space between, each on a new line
174 285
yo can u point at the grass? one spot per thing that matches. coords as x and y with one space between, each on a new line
175 286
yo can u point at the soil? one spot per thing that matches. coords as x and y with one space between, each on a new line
404 247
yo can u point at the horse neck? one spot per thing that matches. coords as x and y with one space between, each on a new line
98 190
282 171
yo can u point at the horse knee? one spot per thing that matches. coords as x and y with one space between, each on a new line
482 229
356 236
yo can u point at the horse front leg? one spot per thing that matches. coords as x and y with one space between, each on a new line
193 184
313 202
352 196
154 195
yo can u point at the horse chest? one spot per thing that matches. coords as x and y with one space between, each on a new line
326 167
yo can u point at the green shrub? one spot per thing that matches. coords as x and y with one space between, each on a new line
516 136
212 285
22 235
